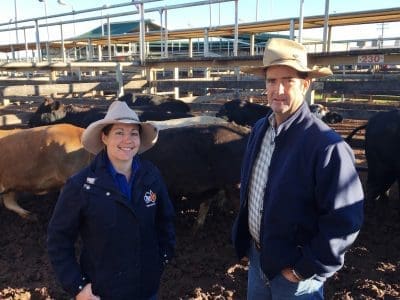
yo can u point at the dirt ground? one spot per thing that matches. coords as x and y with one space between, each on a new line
205 266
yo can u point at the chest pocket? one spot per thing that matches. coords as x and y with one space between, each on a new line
101 209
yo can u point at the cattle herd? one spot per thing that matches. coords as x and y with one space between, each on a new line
198 161
201 157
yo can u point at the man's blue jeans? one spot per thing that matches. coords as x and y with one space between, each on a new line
260 288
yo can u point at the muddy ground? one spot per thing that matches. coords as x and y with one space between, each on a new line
205 266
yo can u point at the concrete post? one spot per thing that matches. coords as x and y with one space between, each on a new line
252 44
53 76
100 52
120 80
176 77
152 83
205 50
190 70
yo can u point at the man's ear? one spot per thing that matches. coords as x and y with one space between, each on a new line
307 83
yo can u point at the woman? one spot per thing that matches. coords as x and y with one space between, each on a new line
120 209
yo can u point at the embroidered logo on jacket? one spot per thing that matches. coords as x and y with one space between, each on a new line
150 198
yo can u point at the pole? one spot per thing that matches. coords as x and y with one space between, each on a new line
326 24
62 2
291 29
47 29
142 34
101 19
62 43
301 19
219 14
209 5
9 40
26 46
235 45
166 34
109 38
256 10
39 51
161 32
16 25
101 23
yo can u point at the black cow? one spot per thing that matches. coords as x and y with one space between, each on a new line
247 114
323 113
332 117
318 110
145 99
158 103
198 161
242 112
382 151
161 116
48 112
54 112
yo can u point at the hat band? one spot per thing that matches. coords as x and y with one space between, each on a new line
124 118
290 59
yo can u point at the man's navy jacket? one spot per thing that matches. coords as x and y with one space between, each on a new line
313 202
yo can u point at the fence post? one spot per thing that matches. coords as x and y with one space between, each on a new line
120 80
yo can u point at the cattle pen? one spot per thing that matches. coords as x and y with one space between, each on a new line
198 70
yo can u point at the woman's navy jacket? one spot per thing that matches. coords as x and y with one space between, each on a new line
313 202
124 242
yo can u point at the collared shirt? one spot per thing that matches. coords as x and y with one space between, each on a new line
258 181
259 177
120 180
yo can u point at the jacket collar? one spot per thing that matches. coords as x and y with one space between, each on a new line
297 117
99 171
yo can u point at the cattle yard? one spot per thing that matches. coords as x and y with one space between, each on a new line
205 266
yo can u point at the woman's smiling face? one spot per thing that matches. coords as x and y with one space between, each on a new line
122 142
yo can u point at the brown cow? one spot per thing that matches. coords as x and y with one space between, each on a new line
6 132
39 160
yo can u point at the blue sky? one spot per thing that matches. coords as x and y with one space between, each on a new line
199 16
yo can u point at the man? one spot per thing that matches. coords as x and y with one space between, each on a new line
301 198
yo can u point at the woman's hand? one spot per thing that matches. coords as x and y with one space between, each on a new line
87 294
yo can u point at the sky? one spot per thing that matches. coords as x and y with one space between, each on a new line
193 17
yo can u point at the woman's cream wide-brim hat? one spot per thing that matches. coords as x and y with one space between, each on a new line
285 52
118 112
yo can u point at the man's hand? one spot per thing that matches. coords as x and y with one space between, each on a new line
87 294
244 259
289 275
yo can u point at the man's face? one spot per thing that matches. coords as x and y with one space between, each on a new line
285 90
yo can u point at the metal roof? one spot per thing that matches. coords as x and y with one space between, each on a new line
119 28
343 19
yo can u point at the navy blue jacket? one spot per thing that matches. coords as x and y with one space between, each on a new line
313 202
124 243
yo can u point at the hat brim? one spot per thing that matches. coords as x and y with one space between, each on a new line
91 137
315 72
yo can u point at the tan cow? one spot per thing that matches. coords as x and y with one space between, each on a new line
39 160
6 132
